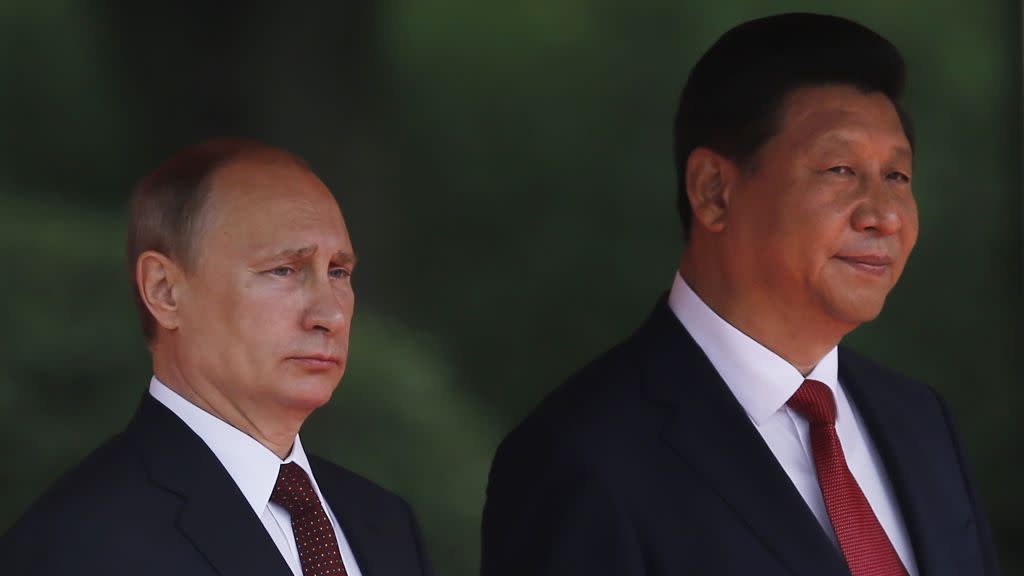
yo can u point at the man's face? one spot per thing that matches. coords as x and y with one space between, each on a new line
265 313
823 222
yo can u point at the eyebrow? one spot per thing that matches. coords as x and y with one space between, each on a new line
341 256
904 152
346 258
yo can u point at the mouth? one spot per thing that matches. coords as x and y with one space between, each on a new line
317 361
875 264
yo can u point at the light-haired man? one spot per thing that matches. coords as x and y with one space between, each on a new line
241 265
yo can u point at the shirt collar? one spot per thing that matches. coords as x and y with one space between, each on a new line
760 379
252 466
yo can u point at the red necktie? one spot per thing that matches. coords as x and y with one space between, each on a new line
865 546
314 535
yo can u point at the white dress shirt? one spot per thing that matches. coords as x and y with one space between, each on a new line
763 382
254 469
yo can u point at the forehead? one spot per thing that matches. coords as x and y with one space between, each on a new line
272 203
840 113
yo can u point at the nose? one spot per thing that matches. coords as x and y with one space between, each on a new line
882 210
325 311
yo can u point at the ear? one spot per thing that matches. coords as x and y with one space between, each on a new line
159 280
710 178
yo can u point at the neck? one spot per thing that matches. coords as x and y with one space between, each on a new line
796 336
274 434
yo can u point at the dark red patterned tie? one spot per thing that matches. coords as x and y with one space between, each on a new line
865 546
314 535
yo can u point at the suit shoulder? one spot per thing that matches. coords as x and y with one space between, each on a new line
395 521
589 411
85 499
95 480
867 369
605 379
354 484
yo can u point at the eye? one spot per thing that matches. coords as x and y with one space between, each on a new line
900 177
841 170
339 273
281 271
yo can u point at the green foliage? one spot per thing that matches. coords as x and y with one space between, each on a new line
73 364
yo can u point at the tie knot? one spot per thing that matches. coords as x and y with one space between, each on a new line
814 401
293 490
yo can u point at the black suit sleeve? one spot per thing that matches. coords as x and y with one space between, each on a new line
984 532
551 514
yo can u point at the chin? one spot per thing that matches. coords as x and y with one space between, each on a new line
310 391
858 311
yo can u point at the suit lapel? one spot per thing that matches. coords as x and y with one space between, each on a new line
937 526
710 431
360 528
215 516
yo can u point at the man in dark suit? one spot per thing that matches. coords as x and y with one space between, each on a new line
241 266
731 434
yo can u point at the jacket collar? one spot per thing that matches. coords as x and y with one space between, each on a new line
736 463
214 514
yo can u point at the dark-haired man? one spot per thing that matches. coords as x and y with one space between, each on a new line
731 434
241 266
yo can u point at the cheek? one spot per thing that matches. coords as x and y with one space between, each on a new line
813 231
819 233
911 226
346 300
269 317
261 324
210 312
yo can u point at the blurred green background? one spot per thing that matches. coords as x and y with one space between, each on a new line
505 169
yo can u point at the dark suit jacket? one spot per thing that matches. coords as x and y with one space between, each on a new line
645 463
154 500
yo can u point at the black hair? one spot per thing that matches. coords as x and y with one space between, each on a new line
733 97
